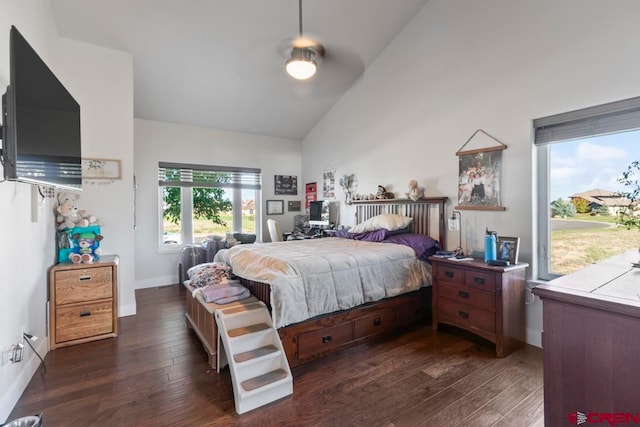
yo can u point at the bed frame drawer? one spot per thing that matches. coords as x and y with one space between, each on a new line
316 342
375 323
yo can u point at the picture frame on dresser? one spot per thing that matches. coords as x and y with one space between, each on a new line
508 249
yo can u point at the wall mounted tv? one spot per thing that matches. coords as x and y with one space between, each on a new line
40 123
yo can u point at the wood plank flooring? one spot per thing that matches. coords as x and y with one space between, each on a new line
155 373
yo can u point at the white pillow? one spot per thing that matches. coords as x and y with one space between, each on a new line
389 221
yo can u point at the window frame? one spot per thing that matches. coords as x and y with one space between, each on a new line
242 178
610 118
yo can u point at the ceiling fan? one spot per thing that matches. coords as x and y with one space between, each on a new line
305 55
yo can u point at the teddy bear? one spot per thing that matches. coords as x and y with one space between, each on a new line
69 216
86 247
415 192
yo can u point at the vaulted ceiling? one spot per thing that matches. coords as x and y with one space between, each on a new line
220 63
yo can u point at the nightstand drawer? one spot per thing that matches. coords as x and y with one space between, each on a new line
84 320
83 285
450 274
466 316
480 280
466 295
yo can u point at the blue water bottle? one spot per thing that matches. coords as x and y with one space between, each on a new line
490 253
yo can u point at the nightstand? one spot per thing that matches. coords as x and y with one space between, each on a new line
83 303
485 300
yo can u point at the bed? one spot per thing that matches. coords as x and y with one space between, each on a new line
326 294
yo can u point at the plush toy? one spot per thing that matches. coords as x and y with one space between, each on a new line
86 247
383 193
69 216
415 191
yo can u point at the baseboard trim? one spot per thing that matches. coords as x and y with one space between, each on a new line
157 281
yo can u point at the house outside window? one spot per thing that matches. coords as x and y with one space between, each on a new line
200 201
580 158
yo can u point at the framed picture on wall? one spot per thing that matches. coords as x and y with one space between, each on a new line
286 185
275 207
293 206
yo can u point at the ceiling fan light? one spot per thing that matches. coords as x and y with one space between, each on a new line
301 66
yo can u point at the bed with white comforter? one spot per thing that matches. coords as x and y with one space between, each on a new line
319 276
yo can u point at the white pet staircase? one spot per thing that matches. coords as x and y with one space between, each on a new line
259 368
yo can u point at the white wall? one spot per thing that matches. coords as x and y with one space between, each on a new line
462 65
102 82
27 248
164 142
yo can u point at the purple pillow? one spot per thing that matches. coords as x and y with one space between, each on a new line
424 246
369 236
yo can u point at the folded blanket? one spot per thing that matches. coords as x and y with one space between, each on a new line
224 293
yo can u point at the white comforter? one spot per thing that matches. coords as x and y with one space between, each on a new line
319 276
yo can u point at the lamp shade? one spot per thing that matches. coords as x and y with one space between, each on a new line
301 65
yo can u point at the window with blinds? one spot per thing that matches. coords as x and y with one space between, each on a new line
184 175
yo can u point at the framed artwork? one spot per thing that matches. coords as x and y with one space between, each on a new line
479 173
286 185
275 207
101 169
293 206
508 248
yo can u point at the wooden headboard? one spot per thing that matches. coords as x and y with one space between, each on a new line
427 213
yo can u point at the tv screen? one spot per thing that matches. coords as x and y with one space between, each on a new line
41 123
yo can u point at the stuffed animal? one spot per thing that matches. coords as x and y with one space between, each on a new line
415 192
383 193
86 247
69 216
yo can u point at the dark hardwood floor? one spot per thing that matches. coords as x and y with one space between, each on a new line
155 373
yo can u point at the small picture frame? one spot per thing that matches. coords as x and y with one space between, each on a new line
508 248
293 206
275 207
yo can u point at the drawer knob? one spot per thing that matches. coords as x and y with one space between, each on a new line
463 314
449 274
326 339
479 280
85 313
85 277
377 321
463 294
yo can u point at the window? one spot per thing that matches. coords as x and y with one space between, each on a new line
197 201
580 156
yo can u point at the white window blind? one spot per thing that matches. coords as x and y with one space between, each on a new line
185 175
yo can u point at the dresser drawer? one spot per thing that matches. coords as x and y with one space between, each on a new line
450 274
480 280
314 342
375 323
84 320
466 316
83 285
466 295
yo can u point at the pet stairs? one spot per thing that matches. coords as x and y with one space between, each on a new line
259 368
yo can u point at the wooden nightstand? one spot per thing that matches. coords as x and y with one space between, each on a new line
485 300
83 302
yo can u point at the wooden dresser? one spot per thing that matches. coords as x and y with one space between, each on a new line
83 302
591 343
485 300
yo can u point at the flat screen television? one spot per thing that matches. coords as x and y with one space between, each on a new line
40 123
318 214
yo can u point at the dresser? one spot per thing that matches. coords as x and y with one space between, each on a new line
591 343
485 300
83 302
